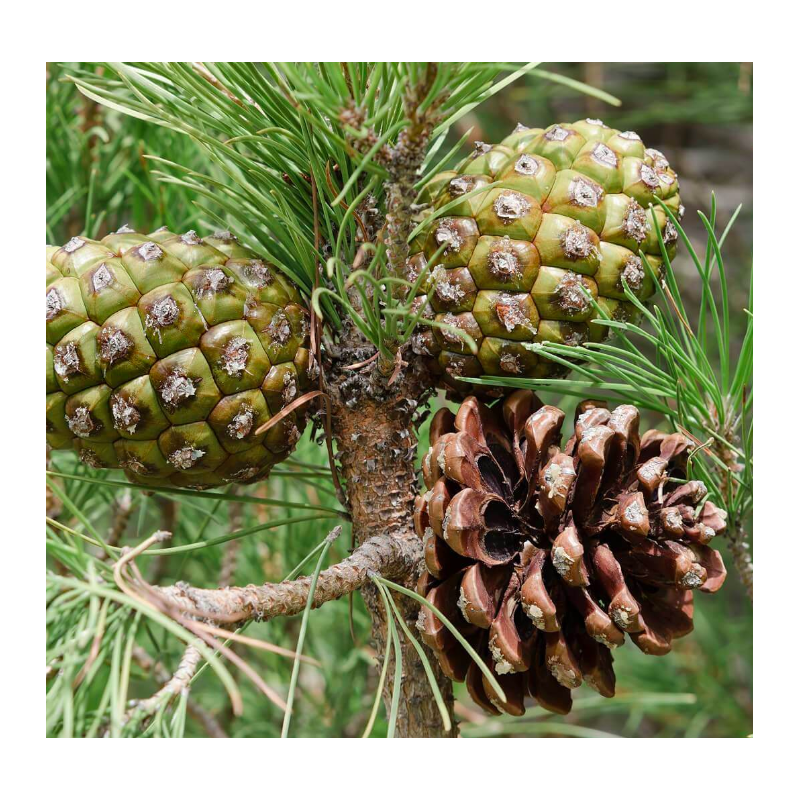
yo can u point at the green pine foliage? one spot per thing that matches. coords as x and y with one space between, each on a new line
98 174
255 147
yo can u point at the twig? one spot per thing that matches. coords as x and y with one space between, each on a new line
157 601
162 675
233 657
405 161
130 553
404 166
389 556
127 557
177 683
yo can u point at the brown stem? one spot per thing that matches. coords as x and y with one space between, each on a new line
405 160
373 428
373 422
371 411
383 554
377 446
177 682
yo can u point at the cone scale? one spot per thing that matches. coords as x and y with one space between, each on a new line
166 353
523 231
547 557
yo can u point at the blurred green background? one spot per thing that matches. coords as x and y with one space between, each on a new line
700 116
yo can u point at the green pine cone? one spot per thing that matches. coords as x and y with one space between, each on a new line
166 353
552 211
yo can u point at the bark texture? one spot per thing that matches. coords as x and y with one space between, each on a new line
385 555
373 426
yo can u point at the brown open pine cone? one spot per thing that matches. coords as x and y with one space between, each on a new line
544 557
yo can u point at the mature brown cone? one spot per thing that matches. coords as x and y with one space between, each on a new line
544 557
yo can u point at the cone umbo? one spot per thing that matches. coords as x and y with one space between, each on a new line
522 231
166 353
545 556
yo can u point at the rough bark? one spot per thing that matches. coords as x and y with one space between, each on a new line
390 556
405 160
373 427
373 410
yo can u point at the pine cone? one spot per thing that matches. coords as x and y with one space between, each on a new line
525 231
544 557
167 355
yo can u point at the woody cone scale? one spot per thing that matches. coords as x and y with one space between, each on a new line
546 557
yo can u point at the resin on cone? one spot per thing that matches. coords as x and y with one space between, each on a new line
547 557
166 353
523 231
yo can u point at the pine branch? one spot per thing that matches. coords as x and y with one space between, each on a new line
179 680
389 556
306 162
174 685
405 161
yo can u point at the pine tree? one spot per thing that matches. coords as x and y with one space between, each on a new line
317 168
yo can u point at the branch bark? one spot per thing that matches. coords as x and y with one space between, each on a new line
175 684
373 426
383 554
148 664
373 421
405 160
